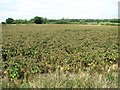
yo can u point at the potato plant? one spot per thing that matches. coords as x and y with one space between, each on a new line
41 49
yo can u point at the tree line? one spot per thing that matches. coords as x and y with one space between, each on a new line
37 20
41 20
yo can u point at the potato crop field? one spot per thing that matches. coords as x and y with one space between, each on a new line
52 55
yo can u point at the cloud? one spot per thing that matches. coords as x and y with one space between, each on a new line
27 9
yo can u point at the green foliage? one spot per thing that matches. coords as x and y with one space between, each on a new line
41 20
3 23
31 21
115 20
38 20
9 21
82 21
45 21
98 20
63 21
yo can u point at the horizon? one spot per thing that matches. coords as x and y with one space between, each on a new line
68 9
64 18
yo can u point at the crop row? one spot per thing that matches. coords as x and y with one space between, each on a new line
44 50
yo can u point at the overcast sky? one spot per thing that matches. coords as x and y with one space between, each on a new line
57 9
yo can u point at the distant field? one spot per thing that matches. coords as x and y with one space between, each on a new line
69 55
100 23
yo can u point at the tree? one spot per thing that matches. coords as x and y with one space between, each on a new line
52 20
3 23
9 21
63 21
17 21
24 21
98 20
82 21
45 20
38 20
115 20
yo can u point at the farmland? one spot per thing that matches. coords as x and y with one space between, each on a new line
57 50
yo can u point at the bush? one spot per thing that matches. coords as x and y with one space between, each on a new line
9 21
107 23
82 21
3 23
38 20
63 21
